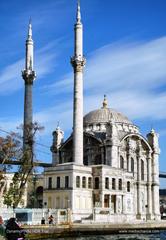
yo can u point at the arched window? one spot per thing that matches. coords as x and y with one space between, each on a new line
50 182
120 184
96 183
107 183
66 181
121 162
84 182
58 182
113 184
142 170
89 182
78 181
128 186
128 165
132 165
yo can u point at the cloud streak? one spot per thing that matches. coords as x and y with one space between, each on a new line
10 76
132 74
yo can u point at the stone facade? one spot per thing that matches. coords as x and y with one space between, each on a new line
120 173
106 170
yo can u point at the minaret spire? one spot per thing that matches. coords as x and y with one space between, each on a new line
78 12
30 29
28 75
78 63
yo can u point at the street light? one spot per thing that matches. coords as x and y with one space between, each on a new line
34 179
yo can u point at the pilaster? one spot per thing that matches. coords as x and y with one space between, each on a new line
149 184
139 179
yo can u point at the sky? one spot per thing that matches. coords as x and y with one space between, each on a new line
125 48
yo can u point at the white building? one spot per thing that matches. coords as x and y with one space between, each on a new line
106 170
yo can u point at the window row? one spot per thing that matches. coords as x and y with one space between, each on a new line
131 162
107 183
132 166
58 182
97 182
84 182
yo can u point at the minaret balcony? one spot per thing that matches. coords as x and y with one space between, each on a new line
78 61
29 76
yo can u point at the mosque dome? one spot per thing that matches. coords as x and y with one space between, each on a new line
105 115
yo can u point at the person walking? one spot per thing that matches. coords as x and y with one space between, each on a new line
50 219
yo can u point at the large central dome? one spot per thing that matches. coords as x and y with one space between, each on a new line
105 115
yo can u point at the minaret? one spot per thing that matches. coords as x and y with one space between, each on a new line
78 63
28 75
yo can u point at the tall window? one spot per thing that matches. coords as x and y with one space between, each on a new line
121 162
142 170
84 182
107 183
78 181
89 182
66 181
128 165
113 184
120 184
96 183
128 186
58 183
50 182
132 165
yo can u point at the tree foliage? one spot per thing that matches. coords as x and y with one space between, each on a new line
12 149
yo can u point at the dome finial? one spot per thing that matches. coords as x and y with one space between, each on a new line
105 102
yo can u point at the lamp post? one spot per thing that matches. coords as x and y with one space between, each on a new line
68 212
14 197
146 207
34 190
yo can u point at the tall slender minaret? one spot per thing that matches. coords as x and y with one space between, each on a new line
78 63
28 75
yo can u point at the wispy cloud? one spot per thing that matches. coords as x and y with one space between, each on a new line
10 76
130 73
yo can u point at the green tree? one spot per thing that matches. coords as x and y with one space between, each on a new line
12 150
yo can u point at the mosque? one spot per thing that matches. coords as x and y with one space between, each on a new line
106 170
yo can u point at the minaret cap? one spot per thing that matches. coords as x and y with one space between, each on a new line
105 102
30 29
78 12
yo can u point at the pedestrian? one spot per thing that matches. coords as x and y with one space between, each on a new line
43 220
50 219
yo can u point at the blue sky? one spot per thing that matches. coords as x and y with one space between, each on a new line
125 48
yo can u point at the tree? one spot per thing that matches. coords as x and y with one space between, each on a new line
12 150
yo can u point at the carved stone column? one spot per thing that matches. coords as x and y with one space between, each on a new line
149 183
139 179
153 141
